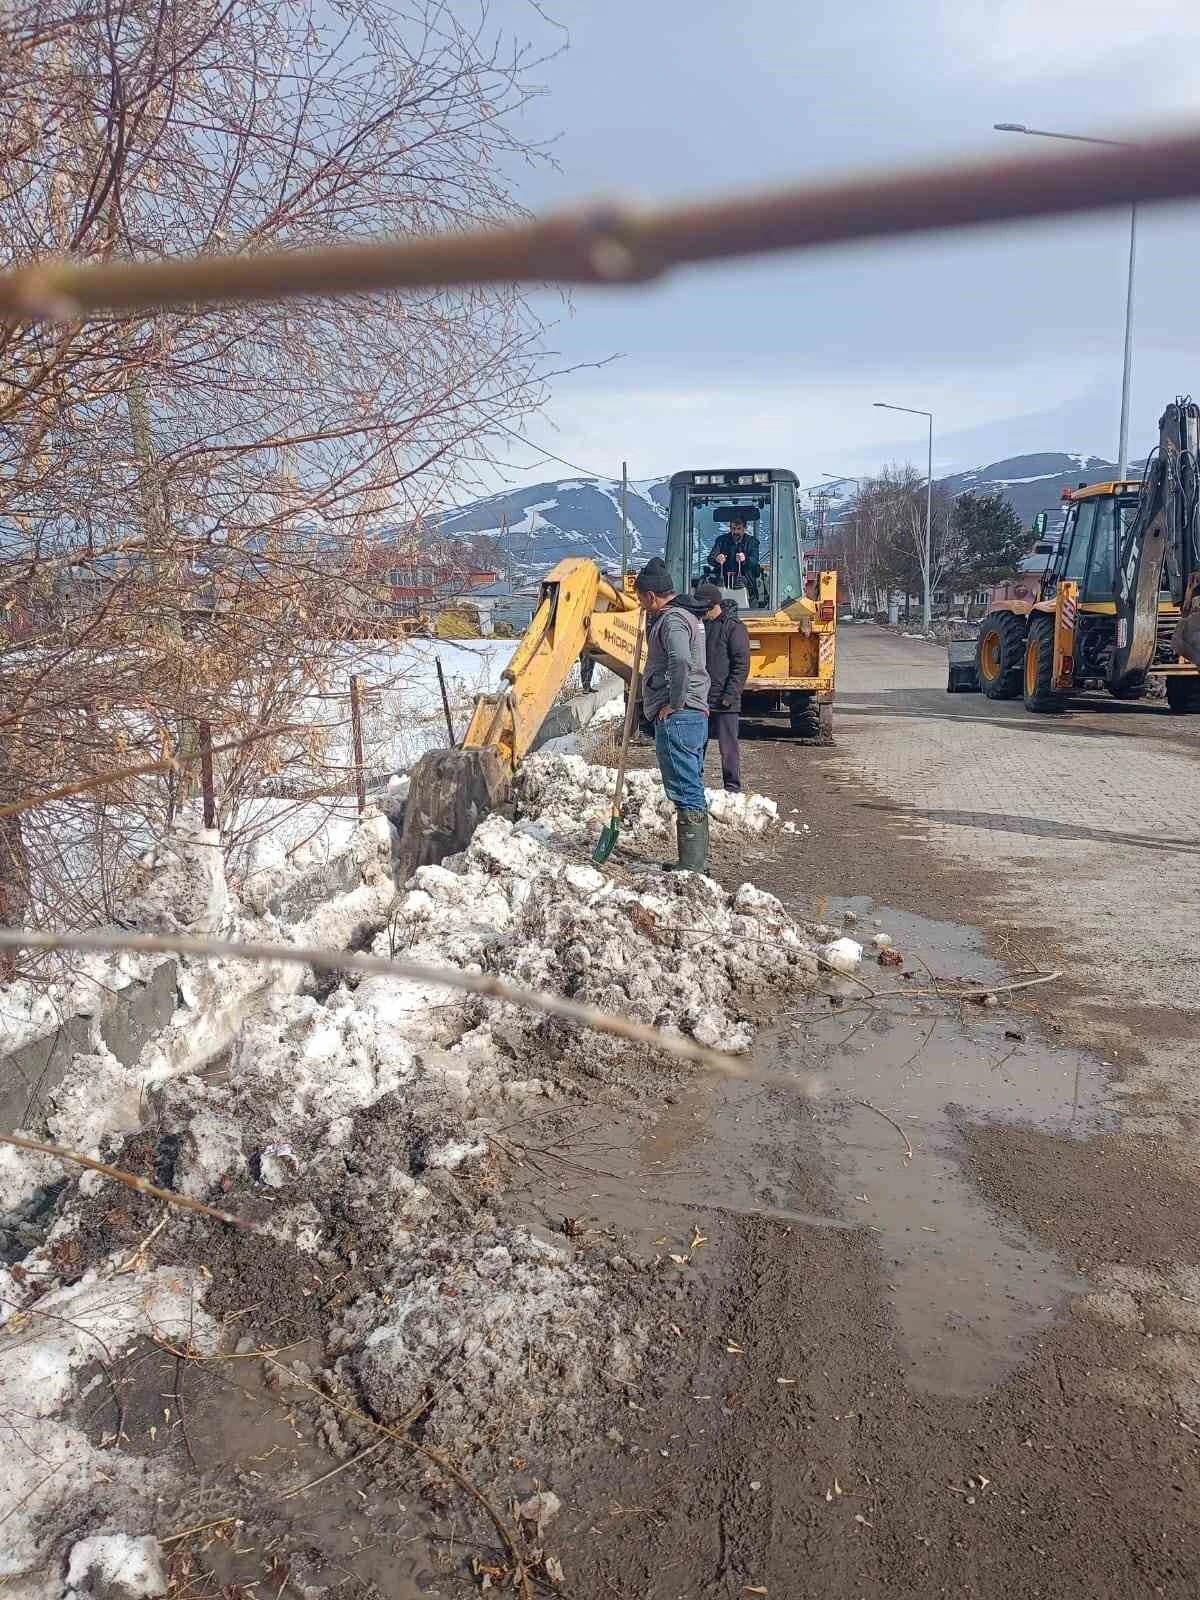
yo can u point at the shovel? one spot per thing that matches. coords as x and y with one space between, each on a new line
609 834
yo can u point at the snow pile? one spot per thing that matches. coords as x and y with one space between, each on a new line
676 954
841 955
361 1121
573 800
182 887
115 1567
49 1462
671 954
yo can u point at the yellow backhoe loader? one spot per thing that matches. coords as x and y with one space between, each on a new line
583 614
1116 601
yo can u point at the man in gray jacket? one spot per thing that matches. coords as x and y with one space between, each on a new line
675 700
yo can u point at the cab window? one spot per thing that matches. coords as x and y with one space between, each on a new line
1102 567
1076 561
709 521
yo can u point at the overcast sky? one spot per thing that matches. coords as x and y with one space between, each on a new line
1012 335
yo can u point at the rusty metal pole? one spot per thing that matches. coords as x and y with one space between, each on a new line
360 787
207 786
437 661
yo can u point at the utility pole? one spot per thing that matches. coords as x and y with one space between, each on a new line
821 501
624 518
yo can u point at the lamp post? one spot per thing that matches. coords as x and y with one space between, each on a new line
926 565
1083 138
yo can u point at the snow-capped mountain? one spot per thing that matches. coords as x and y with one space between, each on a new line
1035 483
538 525
1029 483
543 522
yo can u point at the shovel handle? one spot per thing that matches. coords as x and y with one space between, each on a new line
634 685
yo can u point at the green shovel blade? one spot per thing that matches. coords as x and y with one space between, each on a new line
607 841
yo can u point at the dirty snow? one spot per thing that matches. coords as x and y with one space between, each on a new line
116 1567
842 955
572 800
50 1465
356 1110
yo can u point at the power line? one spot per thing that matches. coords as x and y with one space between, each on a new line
550 456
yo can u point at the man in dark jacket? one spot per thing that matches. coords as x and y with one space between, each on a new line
734 562
727 651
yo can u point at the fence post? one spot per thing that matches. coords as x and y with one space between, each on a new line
437 661
207 787
360 787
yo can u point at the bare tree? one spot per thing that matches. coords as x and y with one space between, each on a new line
186 499
891 509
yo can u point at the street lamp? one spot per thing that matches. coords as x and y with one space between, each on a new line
1125 144
926 573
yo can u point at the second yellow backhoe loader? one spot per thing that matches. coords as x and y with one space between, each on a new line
1117 601
581 613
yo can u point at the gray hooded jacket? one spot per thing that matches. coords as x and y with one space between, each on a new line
676 673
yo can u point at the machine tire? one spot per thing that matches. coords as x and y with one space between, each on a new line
999 655
1039 666
1183 696
810 719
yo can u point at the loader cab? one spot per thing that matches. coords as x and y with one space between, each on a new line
1097 518
704 509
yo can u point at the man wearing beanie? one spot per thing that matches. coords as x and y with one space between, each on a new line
675 699
727 652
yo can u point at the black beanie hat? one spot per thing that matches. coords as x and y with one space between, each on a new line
654 578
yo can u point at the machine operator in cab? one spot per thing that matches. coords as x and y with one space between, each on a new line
734 562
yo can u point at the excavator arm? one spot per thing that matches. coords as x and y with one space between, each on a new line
451 791
578 610
1162 542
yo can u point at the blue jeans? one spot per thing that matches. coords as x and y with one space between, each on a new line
679 744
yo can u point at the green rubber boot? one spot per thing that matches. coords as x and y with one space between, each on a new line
691 833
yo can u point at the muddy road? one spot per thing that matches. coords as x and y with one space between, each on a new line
929 1328
942 1335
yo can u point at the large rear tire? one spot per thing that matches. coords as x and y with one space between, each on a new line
1039 666
1183 696
810 719
999 653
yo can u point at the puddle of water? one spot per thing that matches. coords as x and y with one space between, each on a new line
723 1149
968 1287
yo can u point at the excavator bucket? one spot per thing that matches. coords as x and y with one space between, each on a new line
449 794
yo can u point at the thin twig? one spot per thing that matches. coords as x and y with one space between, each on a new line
480 984
351 1461
129 1179
608 244
1007 988
867 1106
200 1527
